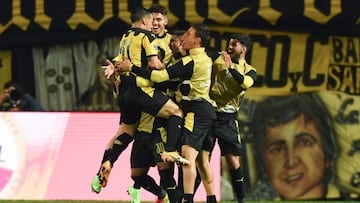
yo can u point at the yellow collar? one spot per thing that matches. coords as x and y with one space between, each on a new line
195 51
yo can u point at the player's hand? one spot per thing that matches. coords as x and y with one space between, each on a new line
109 69
227 59
124 66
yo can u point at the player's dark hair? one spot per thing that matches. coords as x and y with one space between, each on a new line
157 8
203 32
138 13
178 32
245 40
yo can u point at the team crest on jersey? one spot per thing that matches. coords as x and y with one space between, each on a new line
156 47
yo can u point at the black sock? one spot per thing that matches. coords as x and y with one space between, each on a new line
180 184
167 181
136 185
188 198
173 133
149 184
211 199
237 181
120 144
106 155
105 158
167 178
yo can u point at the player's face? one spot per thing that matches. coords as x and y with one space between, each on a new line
158 24
189 39
148 22
175 44
235 48
294 159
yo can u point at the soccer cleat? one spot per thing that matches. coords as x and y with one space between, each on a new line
134 194
173 157
104 173
95 185
164 200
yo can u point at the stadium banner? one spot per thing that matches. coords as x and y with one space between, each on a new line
54 156
285 62
344 67
295 143
38 21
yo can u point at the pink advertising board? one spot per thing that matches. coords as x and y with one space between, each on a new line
50 156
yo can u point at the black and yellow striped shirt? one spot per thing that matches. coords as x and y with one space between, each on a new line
137 45
229 85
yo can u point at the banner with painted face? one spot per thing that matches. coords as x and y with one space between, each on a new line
301 146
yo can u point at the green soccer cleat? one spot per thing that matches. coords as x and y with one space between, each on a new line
134 194
164 200
95 185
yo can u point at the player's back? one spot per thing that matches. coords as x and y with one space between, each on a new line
137 44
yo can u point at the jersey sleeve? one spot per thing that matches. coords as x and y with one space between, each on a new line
150 45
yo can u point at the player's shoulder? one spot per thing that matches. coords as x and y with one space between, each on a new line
213 54
144 34
186 59
249 67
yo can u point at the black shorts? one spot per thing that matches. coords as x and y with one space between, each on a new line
195 130
226 130
146 150
136 100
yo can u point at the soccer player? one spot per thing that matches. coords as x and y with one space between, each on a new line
232 76
145 153
159 24
166 170
138 44
142 159
194 72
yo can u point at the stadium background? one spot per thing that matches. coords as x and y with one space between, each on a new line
55 49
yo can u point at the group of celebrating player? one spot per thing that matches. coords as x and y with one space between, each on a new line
176 99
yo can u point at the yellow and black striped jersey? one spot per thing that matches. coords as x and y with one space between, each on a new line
200 79
164 48
194 71
137 44
225 89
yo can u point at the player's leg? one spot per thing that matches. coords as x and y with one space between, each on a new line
141 159
204 168
129 119
105 165
167 180
195 130
207 175
147 124
229 140
237 176
165 169
157 104
174 116
123 137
